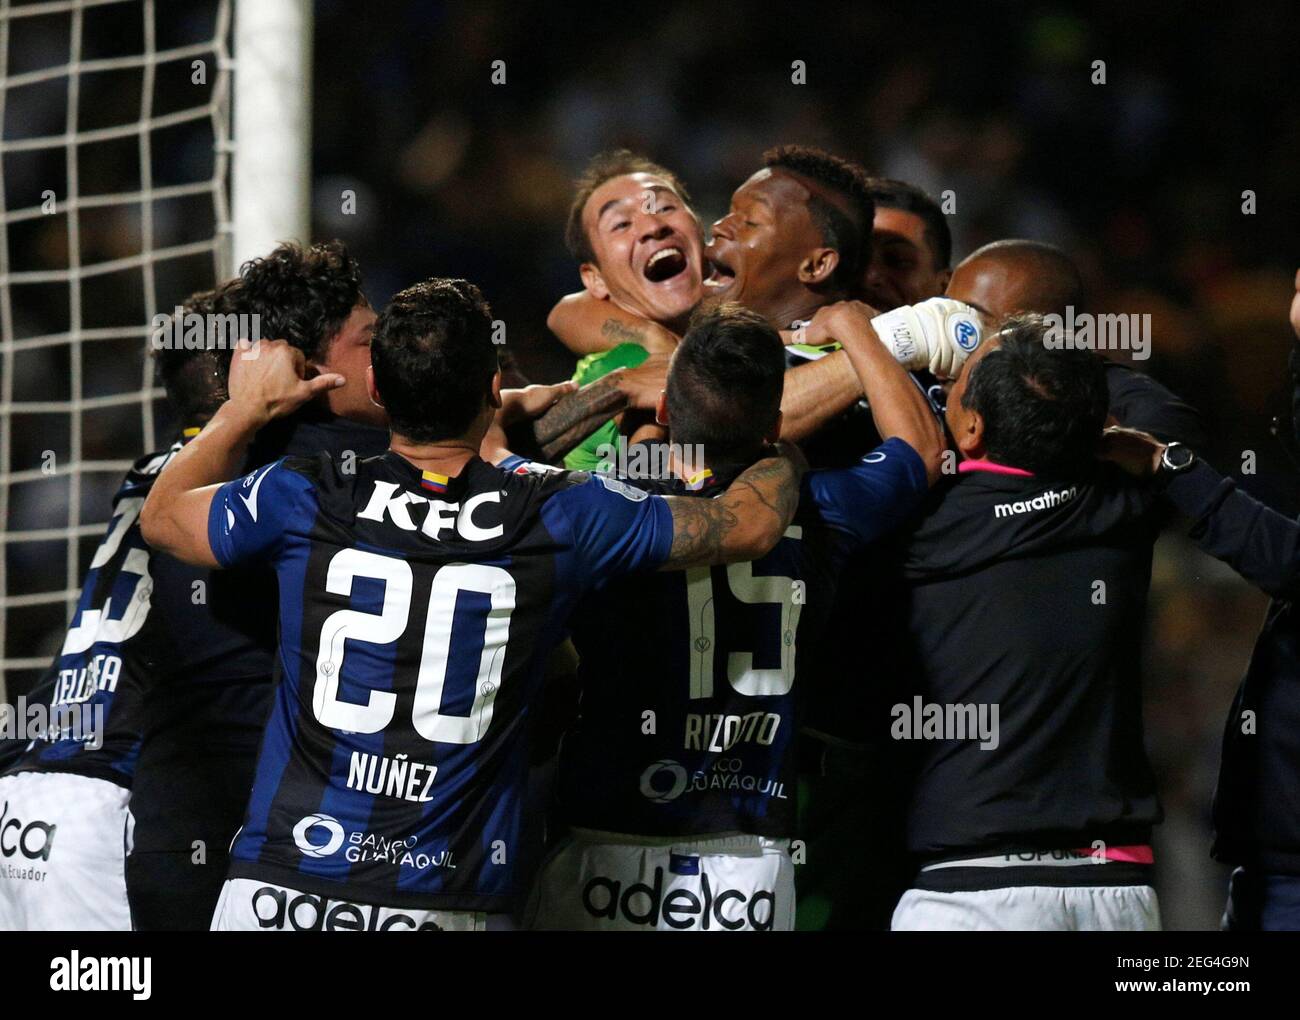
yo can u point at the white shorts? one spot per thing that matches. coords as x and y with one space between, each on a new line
249 905
1030 908
63 846
606 882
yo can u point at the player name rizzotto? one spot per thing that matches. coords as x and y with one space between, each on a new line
82 722
192 331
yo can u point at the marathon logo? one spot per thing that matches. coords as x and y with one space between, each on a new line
643 905
1043 501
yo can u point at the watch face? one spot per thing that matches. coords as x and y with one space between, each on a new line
1176 456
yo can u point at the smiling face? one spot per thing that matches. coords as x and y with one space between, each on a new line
904 266
760 250
648 248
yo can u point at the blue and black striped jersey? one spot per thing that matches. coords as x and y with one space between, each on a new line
692 682
112 652
417 613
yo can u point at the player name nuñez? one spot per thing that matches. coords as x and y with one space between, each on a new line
387 501
391 777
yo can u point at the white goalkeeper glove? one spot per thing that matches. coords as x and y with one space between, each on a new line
938 334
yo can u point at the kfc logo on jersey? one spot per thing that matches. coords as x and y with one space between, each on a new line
390 505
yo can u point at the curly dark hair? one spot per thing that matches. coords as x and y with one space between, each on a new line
196 374
605 166
433 359
850 235
1043 404
303 295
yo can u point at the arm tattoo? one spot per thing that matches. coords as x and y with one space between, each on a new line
778 477
699 527
621 333
589 408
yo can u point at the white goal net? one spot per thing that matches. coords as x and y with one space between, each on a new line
114 146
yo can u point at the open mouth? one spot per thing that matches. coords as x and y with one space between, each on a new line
664 264
720 276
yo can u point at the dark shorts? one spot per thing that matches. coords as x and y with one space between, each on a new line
191 789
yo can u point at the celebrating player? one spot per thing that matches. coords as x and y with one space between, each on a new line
679 778
203 721
419 597
66 799
1018 638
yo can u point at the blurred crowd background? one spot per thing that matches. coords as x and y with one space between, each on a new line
1141 179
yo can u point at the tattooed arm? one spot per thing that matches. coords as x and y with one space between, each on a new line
585 325
577 415
745 522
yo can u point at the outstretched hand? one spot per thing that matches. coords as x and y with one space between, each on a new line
532 401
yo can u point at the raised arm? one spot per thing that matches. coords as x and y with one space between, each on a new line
745 522
585 325
1260 544
817 392
577 415
266 382
898 405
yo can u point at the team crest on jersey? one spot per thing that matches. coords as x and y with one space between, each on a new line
622 488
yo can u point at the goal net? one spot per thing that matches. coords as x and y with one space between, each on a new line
114 149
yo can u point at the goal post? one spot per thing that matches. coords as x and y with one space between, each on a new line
122 190
272 139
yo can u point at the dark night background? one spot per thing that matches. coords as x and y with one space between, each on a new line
1140 179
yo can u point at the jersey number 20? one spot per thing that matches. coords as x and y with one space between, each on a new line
389 624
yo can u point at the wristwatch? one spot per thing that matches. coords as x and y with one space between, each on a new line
1176 457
